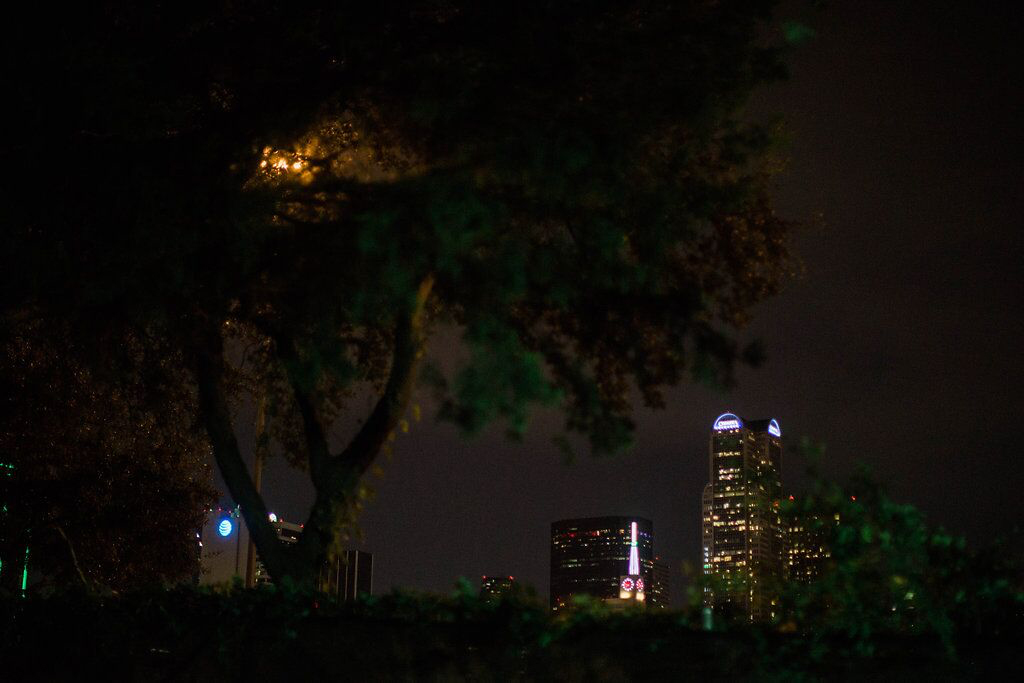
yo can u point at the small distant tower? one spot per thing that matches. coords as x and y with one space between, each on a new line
807 548
658 593
707 537
631 586
589 554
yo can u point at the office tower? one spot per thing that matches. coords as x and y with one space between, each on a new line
707 536
659 594
495 586
806 547
590 556
746 542
221 540
349 575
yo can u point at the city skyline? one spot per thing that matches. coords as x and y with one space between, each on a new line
758 441
890 347
746 540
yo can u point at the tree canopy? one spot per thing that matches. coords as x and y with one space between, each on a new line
106 474
286 200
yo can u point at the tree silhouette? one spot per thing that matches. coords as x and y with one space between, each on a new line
291 200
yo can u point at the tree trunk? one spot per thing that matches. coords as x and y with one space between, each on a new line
335 477
208 358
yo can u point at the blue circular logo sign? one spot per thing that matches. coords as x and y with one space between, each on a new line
225 527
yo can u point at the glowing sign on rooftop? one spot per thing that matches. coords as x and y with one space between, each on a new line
225 527
773 428
727 421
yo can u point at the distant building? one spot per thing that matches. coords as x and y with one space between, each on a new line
225 536
659 594
707 535
746 542
221 546
287 532
633 588
349 575
806 548
591 556
494 586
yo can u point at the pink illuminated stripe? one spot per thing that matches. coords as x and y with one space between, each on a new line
634 557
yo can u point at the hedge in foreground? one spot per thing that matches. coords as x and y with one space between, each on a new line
271 634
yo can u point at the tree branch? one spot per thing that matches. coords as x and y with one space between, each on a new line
365 445
74 559
343 471
316 437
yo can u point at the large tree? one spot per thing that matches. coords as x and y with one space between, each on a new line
105 473
291 199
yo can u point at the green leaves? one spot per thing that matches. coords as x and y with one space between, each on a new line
501 381
889 573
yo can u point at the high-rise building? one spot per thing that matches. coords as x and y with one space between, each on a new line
349 575
591 556
221 540
495 586
659 594
707 536
807 548
745 548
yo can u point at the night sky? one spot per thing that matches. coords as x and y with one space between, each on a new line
898 346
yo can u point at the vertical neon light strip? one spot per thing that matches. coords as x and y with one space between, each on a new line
634 557
24 572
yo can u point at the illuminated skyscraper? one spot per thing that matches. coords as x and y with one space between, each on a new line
221 540
707 536
745 545
591 556
807 550
659 594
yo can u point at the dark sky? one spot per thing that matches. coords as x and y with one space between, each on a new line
898 347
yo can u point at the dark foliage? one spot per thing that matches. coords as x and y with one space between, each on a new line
269 634
573 185
891 574
964 622
107 475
